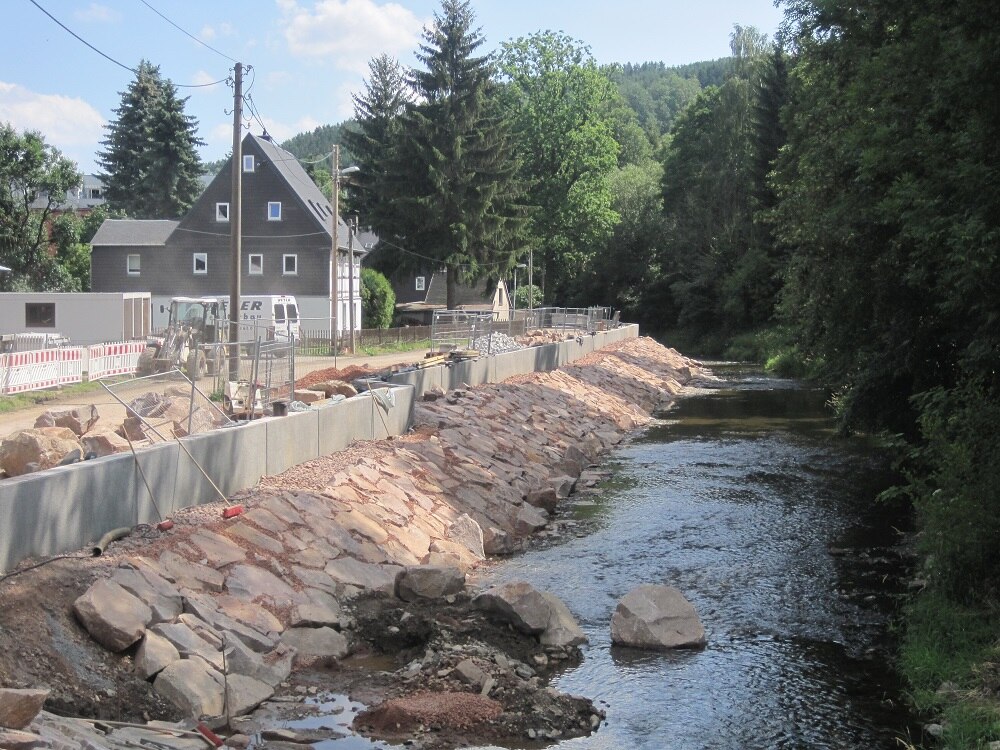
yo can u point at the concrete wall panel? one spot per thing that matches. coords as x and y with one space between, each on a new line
70 507
291 440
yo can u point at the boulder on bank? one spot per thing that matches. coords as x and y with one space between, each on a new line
25 451
429 582
532 612
656 617
336 388
114 618
80 419
18 708
104 442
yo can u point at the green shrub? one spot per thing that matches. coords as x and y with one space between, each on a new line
378 301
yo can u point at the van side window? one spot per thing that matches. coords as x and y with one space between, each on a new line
279 313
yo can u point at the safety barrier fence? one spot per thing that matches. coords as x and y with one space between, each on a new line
47 368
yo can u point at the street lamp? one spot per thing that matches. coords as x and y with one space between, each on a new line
337 173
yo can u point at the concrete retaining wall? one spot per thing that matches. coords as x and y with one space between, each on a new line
70 507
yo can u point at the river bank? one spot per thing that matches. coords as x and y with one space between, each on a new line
476 477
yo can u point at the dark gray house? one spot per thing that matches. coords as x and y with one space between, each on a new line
286 243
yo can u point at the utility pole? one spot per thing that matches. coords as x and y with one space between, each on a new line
352 229
235 223
334 265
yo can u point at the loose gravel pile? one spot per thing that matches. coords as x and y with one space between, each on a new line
495 343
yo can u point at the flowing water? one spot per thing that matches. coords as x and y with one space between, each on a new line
743 498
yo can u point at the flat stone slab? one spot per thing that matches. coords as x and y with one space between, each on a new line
656 617
364 575
193 686
316 642
250 582
156 592
191 575
154 654
218 550
188 643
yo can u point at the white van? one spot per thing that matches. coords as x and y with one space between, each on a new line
268 317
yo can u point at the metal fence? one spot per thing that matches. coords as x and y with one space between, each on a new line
588 319
461 329
314 337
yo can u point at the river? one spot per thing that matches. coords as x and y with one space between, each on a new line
743 498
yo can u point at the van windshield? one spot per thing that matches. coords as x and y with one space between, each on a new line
293 314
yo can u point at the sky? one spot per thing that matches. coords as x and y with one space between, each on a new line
307 57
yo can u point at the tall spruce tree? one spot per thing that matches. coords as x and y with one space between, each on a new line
453 176
151 166
378 112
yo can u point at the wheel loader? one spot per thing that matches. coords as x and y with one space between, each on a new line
194 321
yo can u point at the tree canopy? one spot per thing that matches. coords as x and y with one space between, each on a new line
150 162
34 179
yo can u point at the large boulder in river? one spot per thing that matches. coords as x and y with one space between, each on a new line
532 612
656 617
25 451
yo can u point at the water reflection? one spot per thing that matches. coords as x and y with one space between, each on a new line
737 498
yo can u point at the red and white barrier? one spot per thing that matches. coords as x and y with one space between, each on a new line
30 371
106 360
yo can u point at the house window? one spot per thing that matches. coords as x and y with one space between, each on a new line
420 283
290 264
274 211
222 212
248 163
133 264
256 264
40 314
200 262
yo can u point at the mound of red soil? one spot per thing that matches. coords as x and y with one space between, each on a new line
332 373
446 711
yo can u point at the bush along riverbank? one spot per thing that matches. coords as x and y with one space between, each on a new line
214 618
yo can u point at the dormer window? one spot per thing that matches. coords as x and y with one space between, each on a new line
274 211
248 163
222 212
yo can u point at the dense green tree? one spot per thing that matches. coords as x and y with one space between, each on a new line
719 257
378 111
31 172
150 162
888 196
317 143
378 301
453 181
561 103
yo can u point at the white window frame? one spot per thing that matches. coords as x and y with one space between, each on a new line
195 257
295 263
129 270
260 264
270 205
420 284
222 212
248 163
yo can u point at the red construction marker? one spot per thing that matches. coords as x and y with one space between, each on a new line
165 525
208 734
232 511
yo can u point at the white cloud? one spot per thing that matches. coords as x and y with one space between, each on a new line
98 13
349 33
201 77
207 34
64 122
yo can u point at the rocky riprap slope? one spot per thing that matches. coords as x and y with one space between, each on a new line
216 614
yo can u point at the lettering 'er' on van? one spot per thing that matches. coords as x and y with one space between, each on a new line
268 316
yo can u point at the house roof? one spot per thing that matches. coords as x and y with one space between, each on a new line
300 183
134 232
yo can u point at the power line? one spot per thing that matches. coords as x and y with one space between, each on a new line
108 57
192 36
